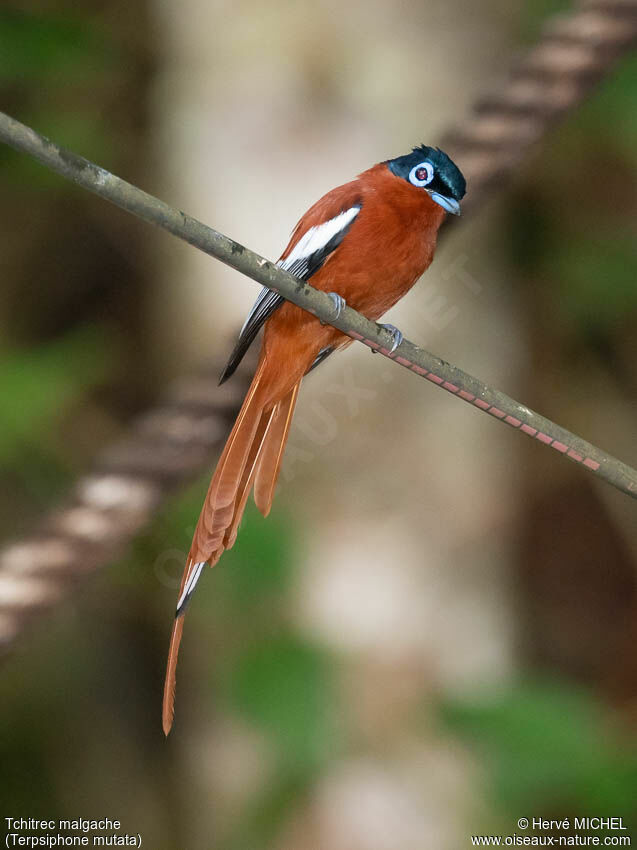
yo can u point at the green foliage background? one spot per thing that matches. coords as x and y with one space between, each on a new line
78 736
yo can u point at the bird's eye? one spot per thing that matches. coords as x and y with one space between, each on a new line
422 174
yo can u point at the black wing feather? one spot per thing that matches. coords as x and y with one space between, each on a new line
320 357
269 301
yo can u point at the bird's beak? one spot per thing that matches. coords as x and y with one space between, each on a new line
449 204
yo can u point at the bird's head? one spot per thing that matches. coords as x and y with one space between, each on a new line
432 170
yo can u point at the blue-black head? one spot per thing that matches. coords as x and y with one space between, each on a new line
432 170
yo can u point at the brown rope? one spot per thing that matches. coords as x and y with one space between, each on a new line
173 443
575 51
165 447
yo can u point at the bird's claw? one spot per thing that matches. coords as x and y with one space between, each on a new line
338 301
396 337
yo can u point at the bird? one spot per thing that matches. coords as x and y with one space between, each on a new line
365 243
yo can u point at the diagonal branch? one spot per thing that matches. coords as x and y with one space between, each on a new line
354 324
172 443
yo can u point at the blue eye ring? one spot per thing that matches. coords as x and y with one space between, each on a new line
421 174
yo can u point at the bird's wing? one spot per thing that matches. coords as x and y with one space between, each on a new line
317 235
320 357
267 302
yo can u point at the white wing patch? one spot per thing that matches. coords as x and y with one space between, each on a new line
318 237
306 258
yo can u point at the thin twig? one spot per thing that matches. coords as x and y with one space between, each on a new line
354 324
174 442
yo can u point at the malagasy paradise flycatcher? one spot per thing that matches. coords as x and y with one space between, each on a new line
365 243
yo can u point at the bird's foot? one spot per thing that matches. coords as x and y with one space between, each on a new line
396 337
338 301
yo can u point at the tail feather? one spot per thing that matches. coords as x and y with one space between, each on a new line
168 710
191 573
247 479
269 464
223 487
219 506
251 456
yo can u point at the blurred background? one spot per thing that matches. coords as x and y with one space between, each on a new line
433 634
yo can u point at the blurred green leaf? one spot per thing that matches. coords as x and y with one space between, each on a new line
45 56
610 116
597 278
261 562
36 47
550 748
36 386
536 14
284 686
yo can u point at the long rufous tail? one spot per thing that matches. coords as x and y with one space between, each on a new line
251 458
